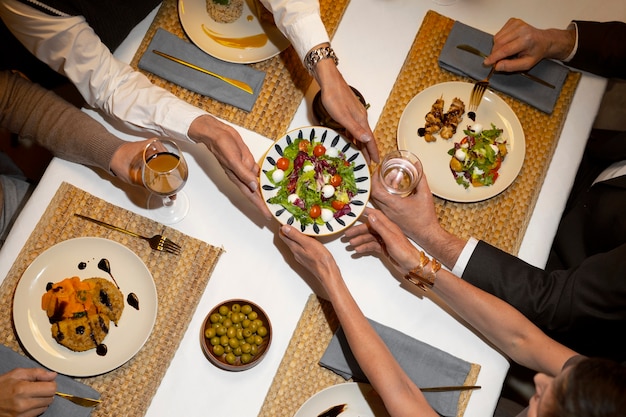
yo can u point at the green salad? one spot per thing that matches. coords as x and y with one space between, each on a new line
477 158
316 184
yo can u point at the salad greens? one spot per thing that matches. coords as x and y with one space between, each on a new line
315 184
477 158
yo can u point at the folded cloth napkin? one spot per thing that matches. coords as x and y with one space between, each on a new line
9 360
470 65
426 365
197 81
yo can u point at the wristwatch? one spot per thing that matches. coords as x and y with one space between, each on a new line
317 54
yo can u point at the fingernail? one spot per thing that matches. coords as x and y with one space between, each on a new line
286 229
252 185
365 138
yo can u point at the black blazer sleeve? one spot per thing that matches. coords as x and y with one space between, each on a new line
601 48
559 300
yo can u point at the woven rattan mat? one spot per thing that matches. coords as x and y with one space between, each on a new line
286 79
300 376
501 220
139 378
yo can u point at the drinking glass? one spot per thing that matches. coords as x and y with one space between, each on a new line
164 173
400 172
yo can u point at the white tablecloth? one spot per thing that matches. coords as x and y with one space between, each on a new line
372 41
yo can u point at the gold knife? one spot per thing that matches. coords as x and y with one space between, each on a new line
472 50
451 388
84 402
239 84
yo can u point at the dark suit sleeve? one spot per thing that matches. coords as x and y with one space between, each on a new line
601 48
560 300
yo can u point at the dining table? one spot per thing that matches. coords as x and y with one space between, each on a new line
372 40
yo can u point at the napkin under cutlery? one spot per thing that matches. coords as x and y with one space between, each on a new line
466 64
196 81
9 359
426 365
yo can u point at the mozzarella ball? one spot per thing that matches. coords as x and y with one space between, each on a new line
328 191
278 175
327 215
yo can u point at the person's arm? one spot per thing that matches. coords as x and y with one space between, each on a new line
398 392
416 216
26 392
601 49
300 21
498 321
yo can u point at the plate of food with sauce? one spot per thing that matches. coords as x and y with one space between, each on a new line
316 180
238 31
467 157
85 306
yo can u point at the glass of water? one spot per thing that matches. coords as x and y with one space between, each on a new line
400 172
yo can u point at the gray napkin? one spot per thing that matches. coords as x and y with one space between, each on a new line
9 359
197 81
515 85
426 365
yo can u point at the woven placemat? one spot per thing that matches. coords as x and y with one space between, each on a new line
180 281
286 79
501 220
299 374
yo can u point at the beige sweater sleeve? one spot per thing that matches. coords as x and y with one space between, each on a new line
38 114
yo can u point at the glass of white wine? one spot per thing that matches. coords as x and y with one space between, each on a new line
164 173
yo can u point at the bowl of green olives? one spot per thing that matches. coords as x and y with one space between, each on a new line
236 335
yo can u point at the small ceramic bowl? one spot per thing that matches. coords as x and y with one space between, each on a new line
241 342
322 116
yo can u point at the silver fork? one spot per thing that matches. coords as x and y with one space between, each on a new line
157 242
479 90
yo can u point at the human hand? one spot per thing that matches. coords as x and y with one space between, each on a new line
126 162
415 213
26 392
345 108
519 46
380 235
310 253
233 155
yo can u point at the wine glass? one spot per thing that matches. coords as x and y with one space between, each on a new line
164 173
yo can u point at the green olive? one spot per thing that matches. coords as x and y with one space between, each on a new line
246 309
223 310
218 350
209 333
231 358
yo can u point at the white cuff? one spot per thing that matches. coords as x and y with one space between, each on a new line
464 257
571 54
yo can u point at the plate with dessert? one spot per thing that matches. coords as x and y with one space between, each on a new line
467 157
238 31
85 306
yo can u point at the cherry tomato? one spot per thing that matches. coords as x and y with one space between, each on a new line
315 211
338 205
336 180
282 163
303 145
319 150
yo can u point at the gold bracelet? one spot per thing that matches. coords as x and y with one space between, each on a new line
416 276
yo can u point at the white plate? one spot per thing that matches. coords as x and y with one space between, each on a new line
206 33
361 401
64 260
434 155
329 138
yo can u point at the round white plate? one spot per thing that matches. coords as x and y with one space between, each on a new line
361 401
329 138
62 261
207 34
434 155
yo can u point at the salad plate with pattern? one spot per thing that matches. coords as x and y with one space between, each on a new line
478 161
316 180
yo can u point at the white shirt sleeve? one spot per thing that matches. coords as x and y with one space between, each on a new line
70 46
300 21
464 257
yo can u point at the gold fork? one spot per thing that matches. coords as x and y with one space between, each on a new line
157 242
479 90
82 401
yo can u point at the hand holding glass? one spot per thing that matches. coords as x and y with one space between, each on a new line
400 172
164 173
